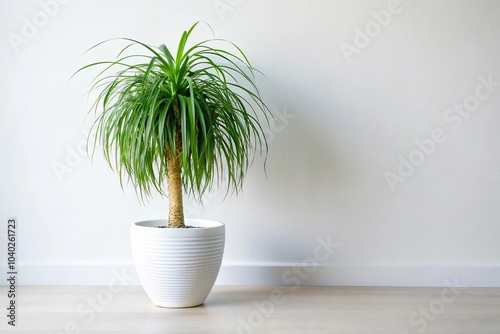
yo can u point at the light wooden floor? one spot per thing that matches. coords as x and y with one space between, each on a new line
244 309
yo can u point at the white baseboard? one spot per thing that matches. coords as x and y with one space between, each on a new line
360 275
77 273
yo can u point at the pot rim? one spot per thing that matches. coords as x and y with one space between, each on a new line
149 227
201 223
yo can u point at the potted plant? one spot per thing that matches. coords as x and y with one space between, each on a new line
172 123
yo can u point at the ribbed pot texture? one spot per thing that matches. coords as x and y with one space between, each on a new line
178 266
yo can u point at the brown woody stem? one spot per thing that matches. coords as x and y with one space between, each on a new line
176 210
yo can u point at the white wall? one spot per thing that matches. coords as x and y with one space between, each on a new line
349 108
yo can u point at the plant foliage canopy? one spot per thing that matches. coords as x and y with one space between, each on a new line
197 109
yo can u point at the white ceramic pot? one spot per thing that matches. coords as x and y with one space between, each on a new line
178 266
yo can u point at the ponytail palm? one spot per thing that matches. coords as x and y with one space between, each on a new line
190 118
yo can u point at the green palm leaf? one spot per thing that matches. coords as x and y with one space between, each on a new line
197 114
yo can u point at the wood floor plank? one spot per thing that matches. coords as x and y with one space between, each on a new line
257 309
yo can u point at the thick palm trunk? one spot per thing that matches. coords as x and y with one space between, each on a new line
176 210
